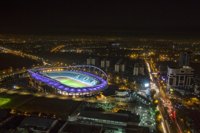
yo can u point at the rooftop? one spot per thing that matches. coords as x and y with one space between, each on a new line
80 128
36 123
121 117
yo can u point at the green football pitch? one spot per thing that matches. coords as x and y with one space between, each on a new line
4 101
71 82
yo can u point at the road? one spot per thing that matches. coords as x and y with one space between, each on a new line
159 87
57 48
22 54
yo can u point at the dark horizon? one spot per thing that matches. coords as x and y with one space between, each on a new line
61 17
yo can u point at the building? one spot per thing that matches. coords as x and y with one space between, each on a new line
184 59
120 66
115 119
91 61
105 64
122 95
87 127
117 65
73 127
180 78
36 124
197 85
138 69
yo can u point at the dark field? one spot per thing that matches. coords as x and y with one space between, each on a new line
32 104
8 60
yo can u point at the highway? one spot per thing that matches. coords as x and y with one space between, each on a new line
22 54
57 48
164 102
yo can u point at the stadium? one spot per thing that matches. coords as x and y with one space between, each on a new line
71 81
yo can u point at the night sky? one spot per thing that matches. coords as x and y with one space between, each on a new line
46 16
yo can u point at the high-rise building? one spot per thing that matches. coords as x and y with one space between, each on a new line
102 63
123 67
88 61
105 63
180 79
120 66
184 59
138 69
117 66
91 61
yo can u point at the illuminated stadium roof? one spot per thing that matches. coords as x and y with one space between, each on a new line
73 80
